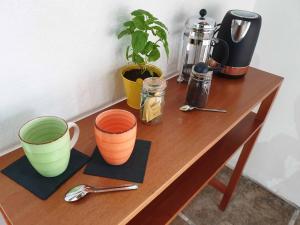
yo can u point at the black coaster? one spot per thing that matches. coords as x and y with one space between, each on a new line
133 170
24 174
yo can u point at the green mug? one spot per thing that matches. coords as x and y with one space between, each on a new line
47 145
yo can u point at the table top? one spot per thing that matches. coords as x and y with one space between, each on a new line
177 142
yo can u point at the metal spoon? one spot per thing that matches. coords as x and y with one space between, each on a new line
186 108
78 192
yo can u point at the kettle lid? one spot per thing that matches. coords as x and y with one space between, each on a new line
244 14
201 23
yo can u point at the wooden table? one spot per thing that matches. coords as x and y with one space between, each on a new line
188 149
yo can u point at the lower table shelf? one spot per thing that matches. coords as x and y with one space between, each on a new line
165 207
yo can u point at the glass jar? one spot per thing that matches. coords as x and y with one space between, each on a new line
152 99
199 85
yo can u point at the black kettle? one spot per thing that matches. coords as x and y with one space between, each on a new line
240 29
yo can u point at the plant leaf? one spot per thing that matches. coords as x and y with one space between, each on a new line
139 40
139 22
149 21
127 51
160 24
166 47
148 48
140 12
154 55
160 32
124 32
128 23
136 58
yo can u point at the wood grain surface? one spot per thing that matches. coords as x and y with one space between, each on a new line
176 196
177 143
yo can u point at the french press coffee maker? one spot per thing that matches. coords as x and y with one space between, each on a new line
198 38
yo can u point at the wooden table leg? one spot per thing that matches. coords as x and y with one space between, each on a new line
4 216
238 171
261 115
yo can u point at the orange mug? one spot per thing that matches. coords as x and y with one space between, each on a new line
115 132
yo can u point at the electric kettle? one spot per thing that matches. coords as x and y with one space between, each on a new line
240 29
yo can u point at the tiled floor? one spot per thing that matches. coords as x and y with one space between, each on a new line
298 221
250 205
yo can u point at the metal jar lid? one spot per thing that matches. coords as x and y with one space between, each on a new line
201 71
154 84
201 23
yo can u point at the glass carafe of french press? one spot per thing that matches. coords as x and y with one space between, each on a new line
198 38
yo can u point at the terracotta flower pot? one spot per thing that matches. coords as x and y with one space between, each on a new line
115 132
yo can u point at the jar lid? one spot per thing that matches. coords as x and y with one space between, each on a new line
201 71
201 23
154 84
200 68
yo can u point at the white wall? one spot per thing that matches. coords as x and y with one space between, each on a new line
275 161
60 57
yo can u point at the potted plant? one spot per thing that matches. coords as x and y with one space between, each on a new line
147 35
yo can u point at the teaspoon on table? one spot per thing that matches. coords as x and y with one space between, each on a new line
80 191
186 108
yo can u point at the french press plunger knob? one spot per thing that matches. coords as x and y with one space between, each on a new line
202 13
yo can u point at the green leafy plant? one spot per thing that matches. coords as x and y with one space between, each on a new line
147 35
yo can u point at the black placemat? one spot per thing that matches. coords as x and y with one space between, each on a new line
24 174
133 170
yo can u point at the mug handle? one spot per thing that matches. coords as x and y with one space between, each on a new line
76 133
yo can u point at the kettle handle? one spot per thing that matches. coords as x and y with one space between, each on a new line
223 44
